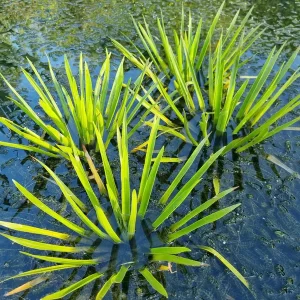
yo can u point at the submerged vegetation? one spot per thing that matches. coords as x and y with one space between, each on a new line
122 227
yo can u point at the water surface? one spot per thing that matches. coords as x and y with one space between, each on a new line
261 238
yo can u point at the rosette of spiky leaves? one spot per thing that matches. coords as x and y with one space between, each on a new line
183 56
246 104
82 105
252 106
123 239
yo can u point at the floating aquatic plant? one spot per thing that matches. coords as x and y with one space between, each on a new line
223 103
251 106
130 238
183 57
80 110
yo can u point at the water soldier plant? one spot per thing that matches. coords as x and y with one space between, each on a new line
182 57
118 233
222 102
81 108
126 230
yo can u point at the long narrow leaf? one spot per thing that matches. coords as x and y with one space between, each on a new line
78 207
185 190
42 271
176 259
204 221
200 208
48 210
73 287
227 264
156 285
35 230
133 215
148 158
169 250
149 185
43 246
116 278
59 260
182 172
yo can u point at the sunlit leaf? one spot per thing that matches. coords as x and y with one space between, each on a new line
43 246
35 230
73 287
154 282
227 264
176 259
59 260
42 271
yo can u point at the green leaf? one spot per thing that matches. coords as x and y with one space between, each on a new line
35 230
173 65
67 261
182 172
42 271
216 184
185 190
204 221
195 212
114 94
29 135
106 225
156 285
73 287
227 264
107 169
50 99
147 164
194 80
125 171
102 218
188 132
155 80
28 148
176 259
218 82
59 91
133 215
257 85
167 129
48 210
208 38
43 246
105 70
110 181
169 250
76 204
116 278
149 185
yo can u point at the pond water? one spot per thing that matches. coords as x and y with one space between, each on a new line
261 238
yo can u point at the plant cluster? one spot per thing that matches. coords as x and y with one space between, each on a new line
115 233
136 250
83 108
222 104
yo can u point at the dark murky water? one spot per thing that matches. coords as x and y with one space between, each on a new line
261 238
